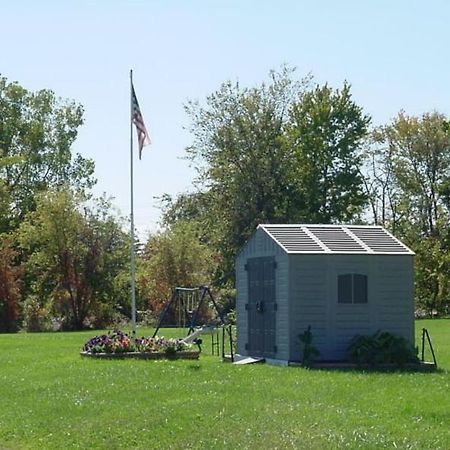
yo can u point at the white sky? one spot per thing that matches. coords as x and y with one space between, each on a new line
395 55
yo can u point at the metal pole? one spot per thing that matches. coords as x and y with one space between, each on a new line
423 344
230 330
431 347
133 264
175 296
223 342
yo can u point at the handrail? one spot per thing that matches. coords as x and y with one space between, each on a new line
229 330
427 335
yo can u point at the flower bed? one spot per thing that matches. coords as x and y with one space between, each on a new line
118 344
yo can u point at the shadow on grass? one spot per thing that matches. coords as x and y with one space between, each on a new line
383 369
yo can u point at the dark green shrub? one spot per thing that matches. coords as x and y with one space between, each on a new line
103 316
381 348
309 352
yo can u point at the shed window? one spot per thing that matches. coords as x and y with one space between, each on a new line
352 288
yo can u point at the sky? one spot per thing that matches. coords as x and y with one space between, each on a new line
393 53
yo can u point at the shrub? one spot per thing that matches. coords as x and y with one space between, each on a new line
309 352
381 348
147 318
103 316
35 317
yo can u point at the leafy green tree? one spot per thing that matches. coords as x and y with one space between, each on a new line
326 133
188 206
419 152
37 131
432 276
381 187
175 257
242 162
409 184
75 254
278 152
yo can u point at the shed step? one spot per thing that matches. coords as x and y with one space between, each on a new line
249 360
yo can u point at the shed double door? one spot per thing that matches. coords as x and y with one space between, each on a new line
261 306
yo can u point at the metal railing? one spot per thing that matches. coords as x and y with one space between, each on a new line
426 335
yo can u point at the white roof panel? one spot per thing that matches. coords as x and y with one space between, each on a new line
351 239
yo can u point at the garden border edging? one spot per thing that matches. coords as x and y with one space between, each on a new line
142 355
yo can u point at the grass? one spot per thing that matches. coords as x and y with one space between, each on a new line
51 398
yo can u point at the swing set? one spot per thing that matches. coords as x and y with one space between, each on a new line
190 308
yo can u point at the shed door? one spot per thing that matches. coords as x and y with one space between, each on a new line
261 306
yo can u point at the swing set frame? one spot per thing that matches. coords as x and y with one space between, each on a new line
178 297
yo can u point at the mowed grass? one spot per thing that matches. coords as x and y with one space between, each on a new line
51 398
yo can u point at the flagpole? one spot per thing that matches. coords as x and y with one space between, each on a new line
133 263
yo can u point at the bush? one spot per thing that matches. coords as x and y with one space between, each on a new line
309 352
104 316
381 348
147 318
35 317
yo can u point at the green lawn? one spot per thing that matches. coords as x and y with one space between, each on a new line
51 398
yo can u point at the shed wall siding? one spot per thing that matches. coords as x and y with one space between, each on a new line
313 300
395 291
261 245
309 304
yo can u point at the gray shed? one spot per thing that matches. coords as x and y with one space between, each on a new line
341 280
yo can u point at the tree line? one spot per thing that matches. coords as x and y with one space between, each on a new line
286 151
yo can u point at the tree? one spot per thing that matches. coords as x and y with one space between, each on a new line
242 163
188 206
432 276
326 132
381 187
419 152
175 257
279 152
37 131
75 254
10 276
409 184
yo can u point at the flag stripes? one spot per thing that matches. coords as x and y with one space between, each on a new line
138 120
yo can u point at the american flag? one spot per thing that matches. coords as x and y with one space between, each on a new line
138 120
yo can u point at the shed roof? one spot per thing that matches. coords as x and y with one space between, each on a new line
350 239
